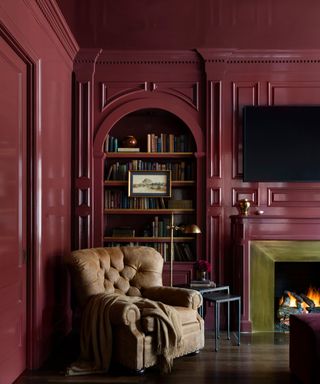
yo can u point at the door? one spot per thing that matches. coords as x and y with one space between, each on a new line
13 127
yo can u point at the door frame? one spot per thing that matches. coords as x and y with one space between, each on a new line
32 197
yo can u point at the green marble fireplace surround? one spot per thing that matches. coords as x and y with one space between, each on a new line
263 256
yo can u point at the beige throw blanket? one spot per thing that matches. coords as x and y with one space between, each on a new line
96 333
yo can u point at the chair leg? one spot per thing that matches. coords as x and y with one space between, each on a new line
194 353
139 372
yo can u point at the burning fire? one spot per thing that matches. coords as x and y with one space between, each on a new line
313 294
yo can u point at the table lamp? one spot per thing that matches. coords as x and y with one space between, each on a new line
187 229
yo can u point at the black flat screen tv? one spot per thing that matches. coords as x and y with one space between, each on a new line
281 144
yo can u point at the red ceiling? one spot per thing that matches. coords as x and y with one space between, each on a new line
188 24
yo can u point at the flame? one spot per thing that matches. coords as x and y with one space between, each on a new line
292 303
313 294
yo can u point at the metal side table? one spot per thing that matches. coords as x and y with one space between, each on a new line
203 291
218 298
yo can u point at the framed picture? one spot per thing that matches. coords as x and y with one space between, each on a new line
149 184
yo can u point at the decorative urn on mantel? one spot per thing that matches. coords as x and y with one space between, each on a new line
243 207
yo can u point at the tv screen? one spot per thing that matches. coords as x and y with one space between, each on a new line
281 143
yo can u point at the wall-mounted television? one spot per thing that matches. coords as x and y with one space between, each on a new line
281 143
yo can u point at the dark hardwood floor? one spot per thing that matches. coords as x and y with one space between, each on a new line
262 358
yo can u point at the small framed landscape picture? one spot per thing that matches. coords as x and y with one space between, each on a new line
149 184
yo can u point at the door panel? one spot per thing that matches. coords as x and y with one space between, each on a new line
12 214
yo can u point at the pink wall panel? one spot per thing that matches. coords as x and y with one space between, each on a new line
29 26
294 92
252 78
294 197
125 81
214 128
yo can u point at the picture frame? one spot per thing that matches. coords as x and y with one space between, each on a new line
149 183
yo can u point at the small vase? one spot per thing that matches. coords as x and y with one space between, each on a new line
129 142
203 275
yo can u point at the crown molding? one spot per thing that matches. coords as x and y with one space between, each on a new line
190 57
237 56
55 19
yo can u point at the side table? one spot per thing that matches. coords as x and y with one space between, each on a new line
217 299
204 290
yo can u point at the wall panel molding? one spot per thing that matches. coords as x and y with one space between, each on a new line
215 197
83 154
215 246
293 197
293 92
251 194
214 128
186 91
111 91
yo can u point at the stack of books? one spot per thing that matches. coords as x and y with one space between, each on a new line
123 149
123 232
202 284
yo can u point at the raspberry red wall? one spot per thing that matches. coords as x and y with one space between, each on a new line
217 83
39 36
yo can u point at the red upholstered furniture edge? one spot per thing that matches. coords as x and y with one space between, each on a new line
304 348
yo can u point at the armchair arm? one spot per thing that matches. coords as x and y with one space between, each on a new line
122 312
182 297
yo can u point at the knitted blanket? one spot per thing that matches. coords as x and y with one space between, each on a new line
96 333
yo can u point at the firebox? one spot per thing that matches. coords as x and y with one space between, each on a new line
296 290
276 268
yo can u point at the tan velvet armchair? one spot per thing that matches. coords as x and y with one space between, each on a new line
130 274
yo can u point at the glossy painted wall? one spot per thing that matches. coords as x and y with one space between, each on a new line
189 24
277 72
38 34
245 53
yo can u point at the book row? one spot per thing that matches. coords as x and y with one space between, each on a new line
181 252
179 170
120 199
163 142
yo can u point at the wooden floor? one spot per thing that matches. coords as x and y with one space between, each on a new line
262 358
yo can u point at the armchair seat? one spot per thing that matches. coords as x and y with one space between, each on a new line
125 284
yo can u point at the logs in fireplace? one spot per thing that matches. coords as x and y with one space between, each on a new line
291 303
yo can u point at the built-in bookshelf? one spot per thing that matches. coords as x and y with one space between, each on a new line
145 220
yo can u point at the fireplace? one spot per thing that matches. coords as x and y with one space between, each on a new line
277 267
261 244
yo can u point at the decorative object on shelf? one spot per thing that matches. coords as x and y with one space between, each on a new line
129 142
187 229
149 183
202 268
243 207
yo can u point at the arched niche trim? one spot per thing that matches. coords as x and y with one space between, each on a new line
170 104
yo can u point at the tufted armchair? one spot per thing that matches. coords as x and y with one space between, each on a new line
132 273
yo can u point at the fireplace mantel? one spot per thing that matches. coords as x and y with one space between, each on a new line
245 229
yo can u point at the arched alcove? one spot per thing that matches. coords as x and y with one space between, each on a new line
177 147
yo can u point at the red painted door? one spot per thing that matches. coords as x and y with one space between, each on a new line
12 214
